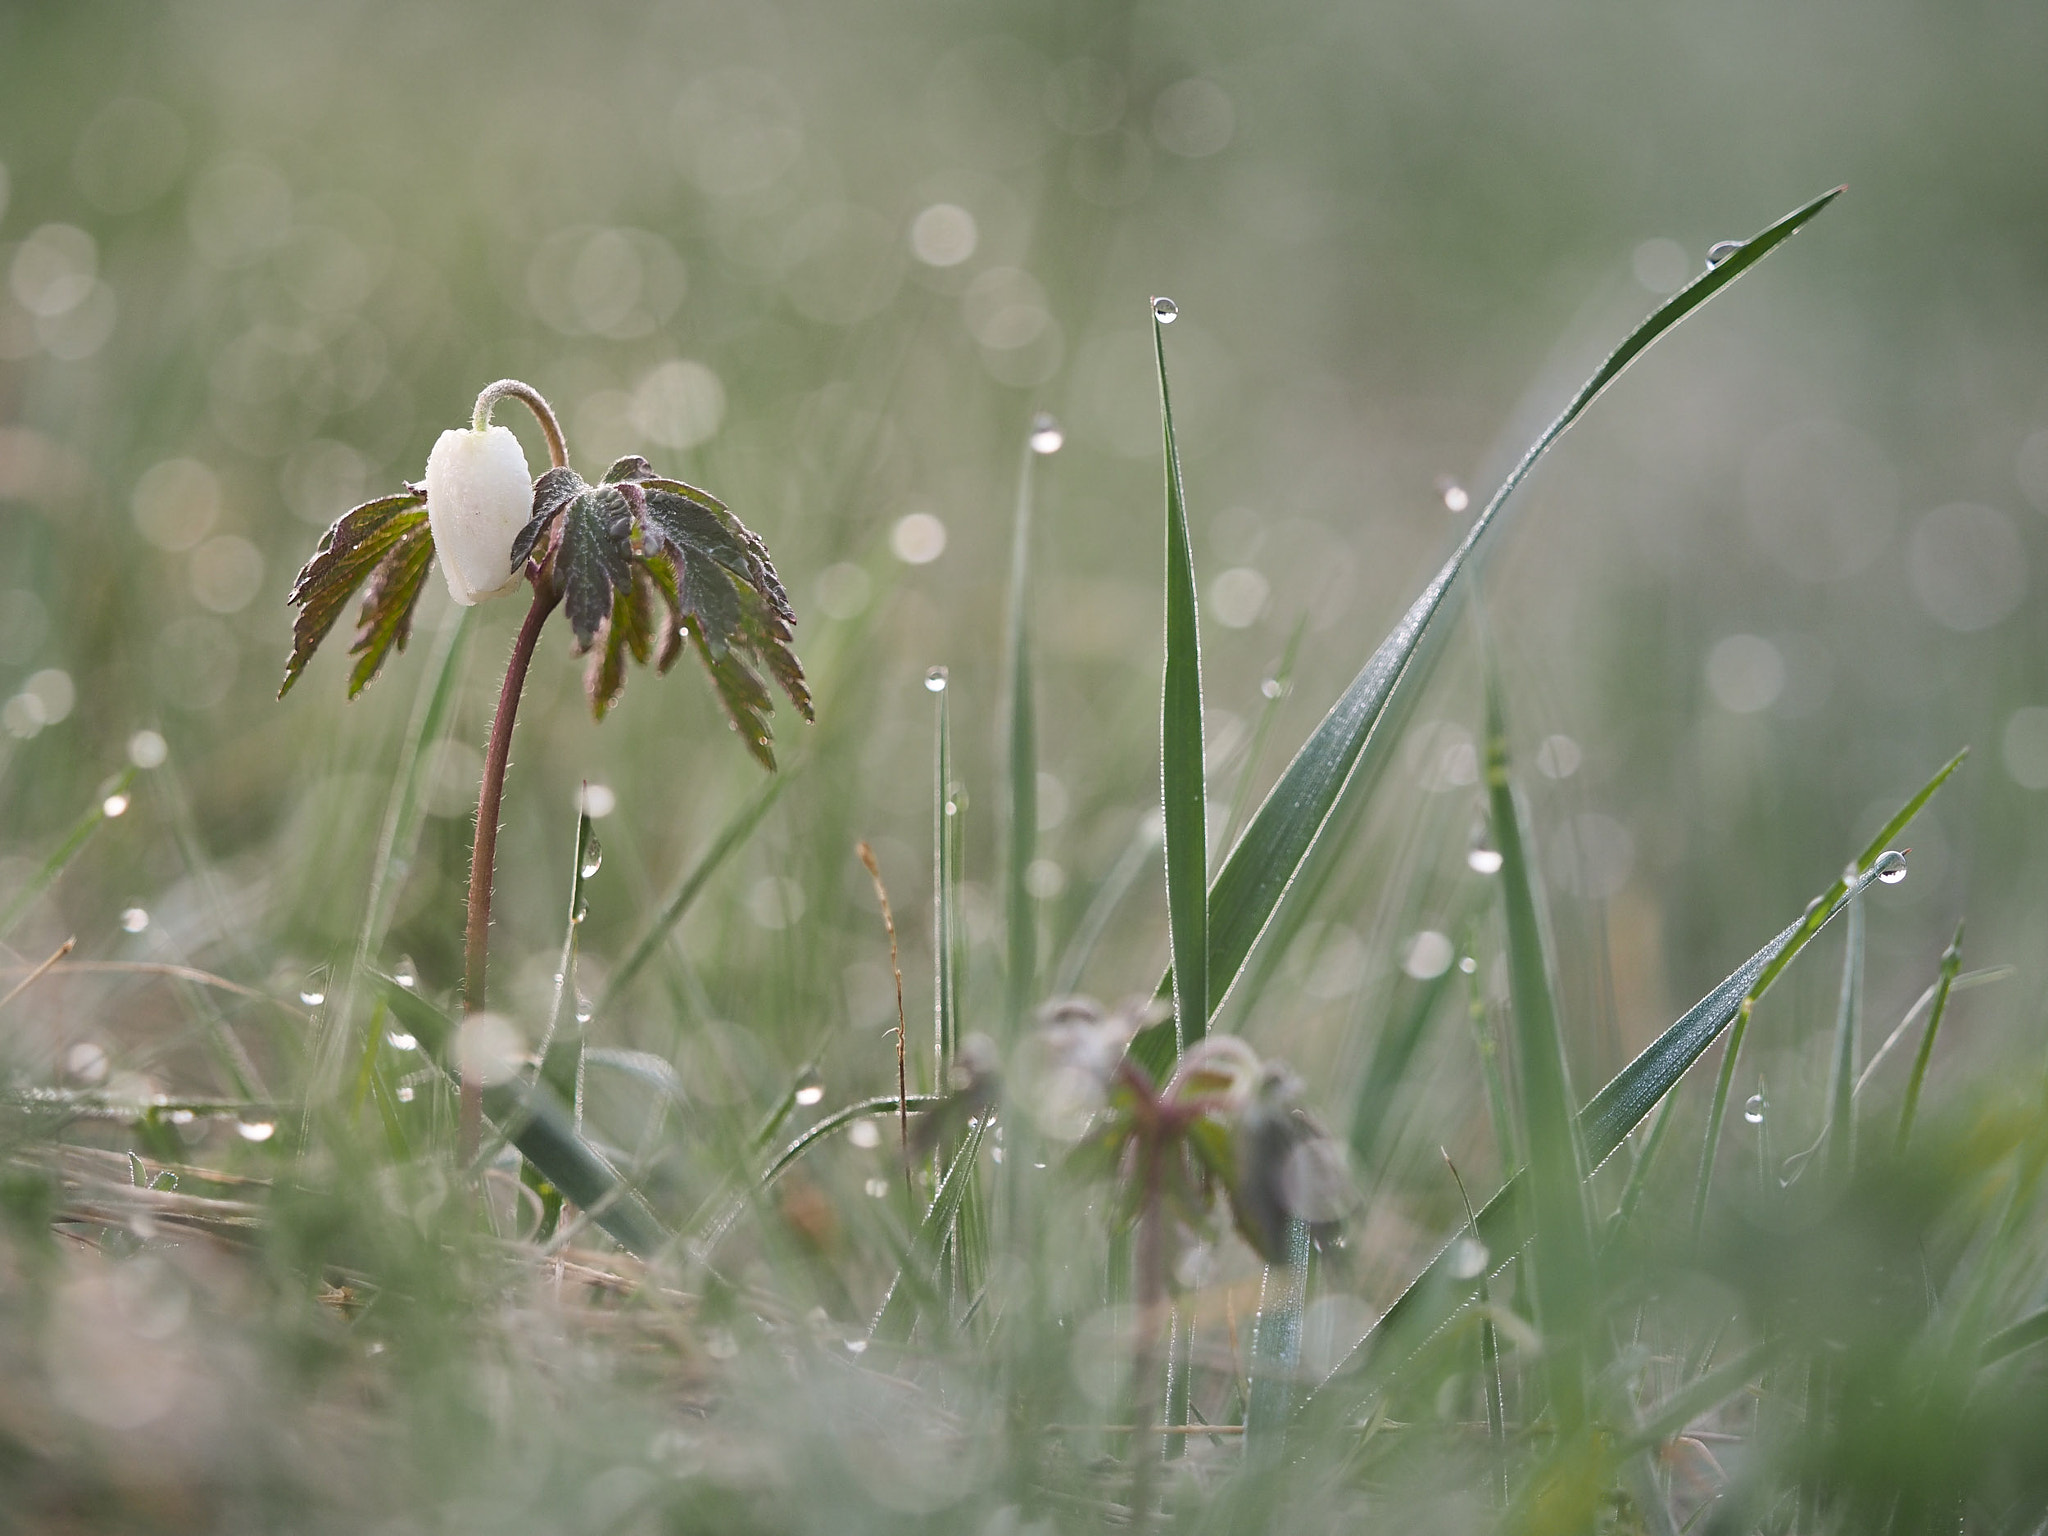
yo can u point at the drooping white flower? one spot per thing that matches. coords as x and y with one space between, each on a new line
479 495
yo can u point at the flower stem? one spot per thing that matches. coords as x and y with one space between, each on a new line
528 396
491 792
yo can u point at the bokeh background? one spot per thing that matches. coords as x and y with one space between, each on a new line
831 260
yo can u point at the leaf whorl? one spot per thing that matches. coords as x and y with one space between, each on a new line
385 543
697 571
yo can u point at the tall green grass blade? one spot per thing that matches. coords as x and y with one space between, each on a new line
1629 1097
1564 1271
1183 784
2024 1334
1346 748
561 1049
946 933
1620 1105
74 840
1848 1031
1639 1175
1951 961
1021 751
900 1308
885 1106
1276 1347
541 1126
397 835
1717 1115
731 837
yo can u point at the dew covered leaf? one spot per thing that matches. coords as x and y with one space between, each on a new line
593 564
386 538
551 492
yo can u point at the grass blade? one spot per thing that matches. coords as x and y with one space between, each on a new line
1564 1279
900 1308
1021 751
1346 747
80 834
886 1105
540 1125
1183 785
561 1049
2024 1334
1622 1105
730 837
1951 961
1848 1028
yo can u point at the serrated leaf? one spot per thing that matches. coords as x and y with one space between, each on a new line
354 547
594 564
630 631
388 607
551 492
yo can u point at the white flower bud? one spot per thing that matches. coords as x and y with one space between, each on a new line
479 495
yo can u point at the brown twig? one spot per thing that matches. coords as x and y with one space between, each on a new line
867 857
36 975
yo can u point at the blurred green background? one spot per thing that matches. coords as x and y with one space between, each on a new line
830 260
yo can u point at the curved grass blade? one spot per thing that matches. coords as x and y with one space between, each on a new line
934 1235
535 1120
1622 1105
80 834
839 1119
1183 786
1263 864
1951 962
1021 751
947 935
2024 1334
1564 1275
561 1049
1848 1029
730 837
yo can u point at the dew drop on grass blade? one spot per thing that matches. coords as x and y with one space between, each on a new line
1346 751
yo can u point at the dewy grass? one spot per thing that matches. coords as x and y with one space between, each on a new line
747 1326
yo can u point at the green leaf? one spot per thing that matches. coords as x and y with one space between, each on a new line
1346 751
593 563
1951 961
1621 1106
633 630
913 1282
730 837
358 543
1021 750
536 1121
887 1105
551 492
1564 1278
1183 784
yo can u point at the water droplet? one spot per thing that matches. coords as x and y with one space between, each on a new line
1466 1258
312 994
1166 311
146 749
1272 688
596 801
856 1346
876 1188
812 1092
256 1130
406 976
995 1154
593 857
582 908
1456 497
1046 436
1485 861
1468 965
952 807
1890 867
401 1041
114 805
134 920
404 1093
935 680
1721 250
179 1116
1753 1111
583 1010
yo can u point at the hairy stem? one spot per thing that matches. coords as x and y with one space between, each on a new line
483 860
528 396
